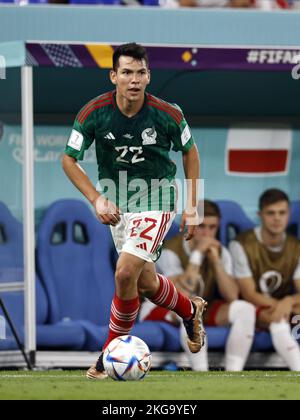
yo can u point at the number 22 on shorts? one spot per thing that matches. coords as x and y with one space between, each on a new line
145 233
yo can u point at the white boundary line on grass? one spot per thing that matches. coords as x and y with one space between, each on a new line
207 375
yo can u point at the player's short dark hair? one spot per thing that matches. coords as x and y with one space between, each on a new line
136 51
272 196
211 209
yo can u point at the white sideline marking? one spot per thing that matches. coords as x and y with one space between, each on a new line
207 375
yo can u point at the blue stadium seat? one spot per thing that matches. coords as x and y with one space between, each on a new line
233 217
149 331
294 222
60 336
171 337
151 3
217 337
74 258
173 231
64 335
100 2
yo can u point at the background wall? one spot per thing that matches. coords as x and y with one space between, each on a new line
213 101
51 183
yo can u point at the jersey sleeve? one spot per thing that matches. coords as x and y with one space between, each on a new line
81 138
181 136
241 266
227 261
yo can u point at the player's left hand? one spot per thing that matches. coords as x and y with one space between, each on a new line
189 219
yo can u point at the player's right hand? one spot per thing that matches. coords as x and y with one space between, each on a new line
106 211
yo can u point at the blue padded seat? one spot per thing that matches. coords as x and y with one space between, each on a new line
151 3
149 331
59 336
233 216
76 272
173 231
74 258
171 336
100 2
65 335
294 221
217 337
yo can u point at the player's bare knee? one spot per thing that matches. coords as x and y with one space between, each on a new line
124 276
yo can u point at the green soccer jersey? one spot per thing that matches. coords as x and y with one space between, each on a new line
134 168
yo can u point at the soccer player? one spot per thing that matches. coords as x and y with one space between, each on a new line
133 133
203 266
267 266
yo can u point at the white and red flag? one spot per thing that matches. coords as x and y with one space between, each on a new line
258 151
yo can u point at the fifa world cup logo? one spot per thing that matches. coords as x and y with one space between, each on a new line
269 282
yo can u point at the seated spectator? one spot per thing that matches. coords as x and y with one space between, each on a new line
267 266
203 267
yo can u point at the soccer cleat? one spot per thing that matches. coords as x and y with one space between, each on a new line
194 326
97 371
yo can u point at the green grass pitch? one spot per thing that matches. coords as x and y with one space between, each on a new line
67 385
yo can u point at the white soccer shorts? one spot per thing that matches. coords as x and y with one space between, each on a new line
141 234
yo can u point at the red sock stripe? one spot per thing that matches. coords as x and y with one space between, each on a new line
93 102
169 297
122 317
162 291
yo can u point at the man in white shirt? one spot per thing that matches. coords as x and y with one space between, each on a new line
204 265
267 266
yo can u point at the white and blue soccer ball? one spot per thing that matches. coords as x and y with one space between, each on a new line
127 358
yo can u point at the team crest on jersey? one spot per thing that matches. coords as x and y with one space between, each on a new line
149 136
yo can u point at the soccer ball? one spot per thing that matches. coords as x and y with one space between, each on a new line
127 358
